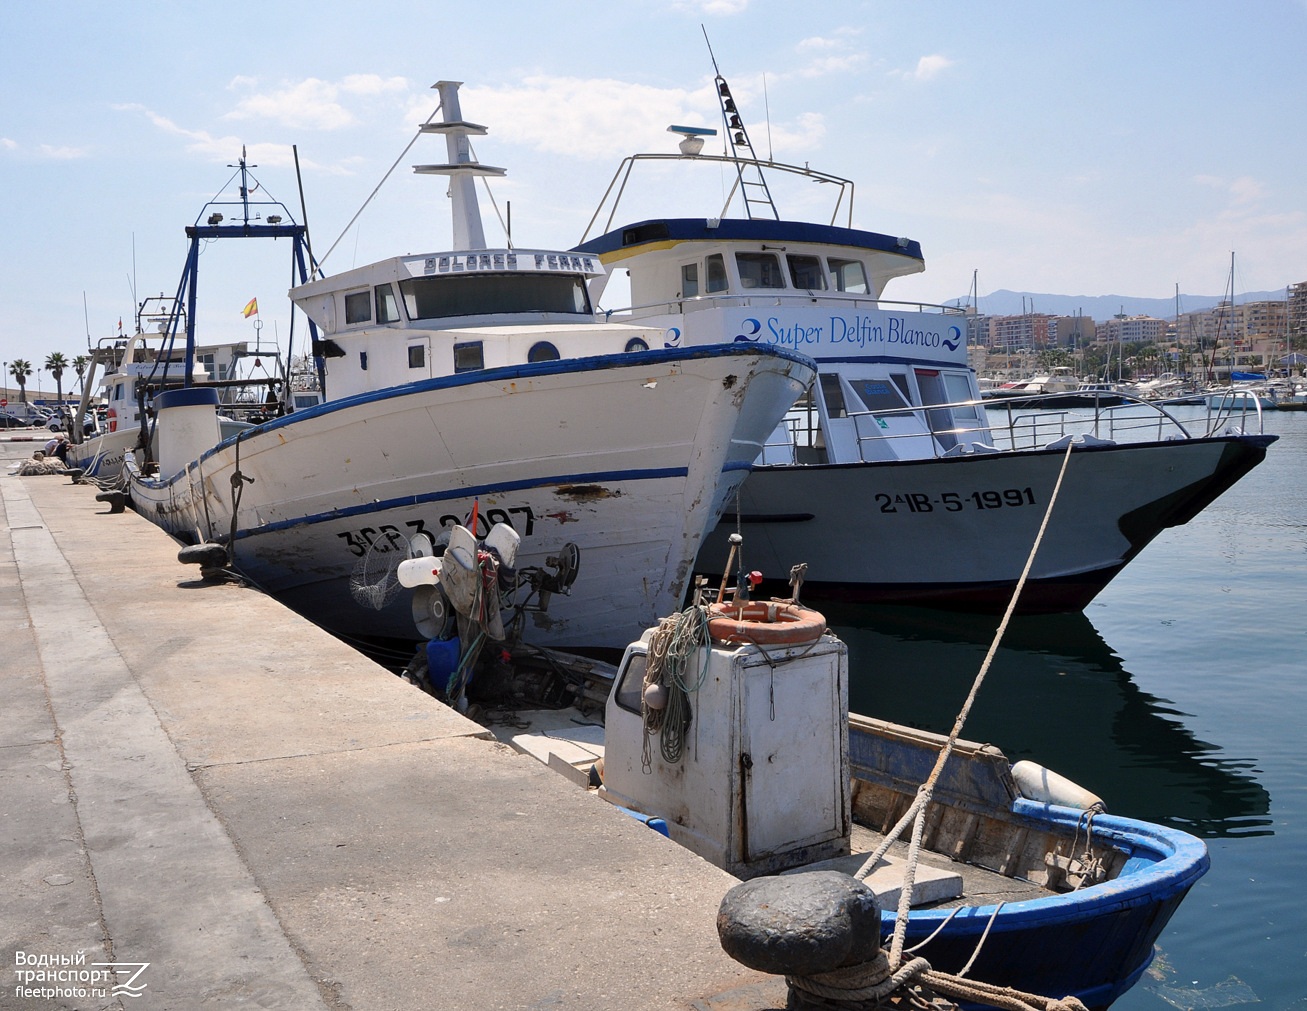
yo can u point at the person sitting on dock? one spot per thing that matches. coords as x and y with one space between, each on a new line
58 446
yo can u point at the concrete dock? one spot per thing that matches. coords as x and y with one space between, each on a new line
194 777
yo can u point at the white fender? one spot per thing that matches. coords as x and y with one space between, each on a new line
422 571
504 539
1044 786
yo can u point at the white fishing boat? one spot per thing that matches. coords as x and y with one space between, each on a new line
134 371
890 479
470 385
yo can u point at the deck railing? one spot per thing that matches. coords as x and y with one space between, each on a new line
1017 423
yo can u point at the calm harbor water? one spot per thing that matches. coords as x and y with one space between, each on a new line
1179 697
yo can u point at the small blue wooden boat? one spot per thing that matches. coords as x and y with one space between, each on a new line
1088 931
1021 874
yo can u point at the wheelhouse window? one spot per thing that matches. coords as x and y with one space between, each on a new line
759 270
848 275
469 357
630 689
417 356
806 272
542 351
716 271
878 394
493 294
689 280
358 307
387 306
833 393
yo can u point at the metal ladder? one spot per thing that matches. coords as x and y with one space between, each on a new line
752 183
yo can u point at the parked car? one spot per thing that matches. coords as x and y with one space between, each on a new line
27 415
8 420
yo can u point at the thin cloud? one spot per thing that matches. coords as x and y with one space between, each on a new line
618 118
309 104
61 153
928 68
228 148
1242 190
717 8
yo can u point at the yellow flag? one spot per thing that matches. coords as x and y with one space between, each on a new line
252 308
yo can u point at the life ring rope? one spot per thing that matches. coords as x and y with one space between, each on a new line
765 622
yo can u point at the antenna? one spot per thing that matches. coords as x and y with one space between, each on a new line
715 71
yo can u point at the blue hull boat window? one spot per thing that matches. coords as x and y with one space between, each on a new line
542 351
637 344
689 280
717 279
469 357
759 270
493 295
387 306
806 272
358 307
848 275
417 356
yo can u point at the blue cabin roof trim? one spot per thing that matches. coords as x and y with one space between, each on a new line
657 230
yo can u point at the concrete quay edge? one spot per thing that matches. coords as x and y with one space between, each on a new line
195 777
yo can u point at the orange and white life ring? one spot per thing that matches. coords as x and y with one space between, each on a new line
766 622
112 418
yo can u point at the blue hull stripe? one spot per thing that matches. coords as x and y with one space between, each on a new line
368 508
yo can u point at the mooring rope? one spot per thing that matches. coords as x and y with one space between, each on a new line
873 983
866 985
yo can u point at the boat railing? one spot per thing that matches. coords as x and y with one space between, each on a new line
1131 419
1234 409
773 298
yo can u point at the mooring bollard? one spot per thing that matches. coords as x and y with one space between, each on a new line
800 924
211 558
115 499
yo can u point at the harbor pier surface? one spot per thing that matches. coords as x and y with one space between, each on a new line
210 802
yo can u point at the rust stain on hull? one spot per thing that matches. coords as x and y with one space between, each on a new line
586 492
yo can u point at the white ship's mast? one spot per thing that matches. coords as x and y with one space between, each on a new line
462 167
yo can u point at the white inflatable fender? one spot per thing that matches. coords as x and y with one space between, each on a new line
1044 786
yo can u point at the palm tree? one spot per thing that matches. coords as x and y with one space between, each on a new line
56 363
20 369
79 366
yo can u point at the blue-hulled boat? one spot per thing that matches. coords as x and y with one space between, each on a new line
1021 874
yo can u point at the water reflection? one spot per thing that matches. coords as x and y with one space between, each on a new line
1058 695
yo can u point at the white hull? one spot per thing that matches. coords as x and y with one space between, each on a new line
957 532
629 456
101 457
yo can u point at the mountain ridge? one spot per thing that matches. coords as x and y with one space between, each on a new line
1101 307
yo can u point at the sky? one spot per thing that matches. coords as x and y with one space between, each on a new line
1117 147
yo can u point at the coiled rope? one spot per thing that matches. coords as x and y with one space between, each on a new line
671 651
